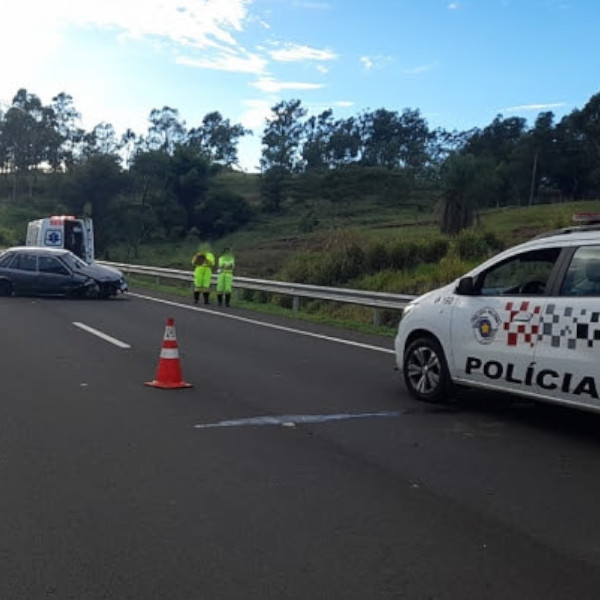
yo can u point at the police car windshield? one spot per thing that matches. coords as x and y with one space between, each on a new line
74 262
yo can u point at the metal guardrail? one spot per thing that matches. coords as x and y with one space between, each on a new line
378 301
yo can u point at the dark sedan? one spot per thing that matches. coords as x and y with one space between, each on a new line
33 271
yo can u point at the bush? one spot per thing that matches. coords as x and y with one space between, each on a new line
475 245
7 237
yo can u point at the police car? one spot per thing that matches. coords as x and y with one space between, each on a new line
525 322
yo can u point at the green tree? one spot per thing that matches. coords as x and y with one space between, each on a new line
391 140
280 152
166 130
91 188
217 139
188 180
221 213
66 119
101 141
318 132
467 181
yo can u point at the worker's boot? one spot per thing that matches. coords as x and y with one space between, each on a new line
220 299
206 295
227 299
196 297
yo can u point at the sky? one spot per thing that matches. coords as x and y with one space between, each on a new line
460 63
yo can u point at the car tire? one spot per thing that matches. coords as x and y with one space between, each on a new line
6 288
426 371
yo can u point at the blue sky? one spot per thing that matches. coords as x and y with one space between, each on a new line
459 62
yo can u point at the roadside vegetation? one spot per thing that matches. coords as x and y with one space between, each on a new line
377 201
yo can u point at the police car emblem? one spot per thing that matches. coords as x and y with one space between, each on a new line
485 323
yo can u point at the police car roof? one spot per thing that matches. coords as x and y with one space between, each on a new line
569 230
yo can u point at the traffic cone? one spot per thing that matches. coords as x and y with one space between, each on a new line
168 373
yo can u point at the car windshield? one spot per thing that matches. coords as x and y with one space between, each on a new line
74 261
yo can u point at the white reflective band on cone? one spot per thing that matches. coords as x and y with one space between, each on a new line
169 353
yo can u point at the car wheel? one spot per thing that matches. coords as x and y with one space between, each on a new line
426 371
6 288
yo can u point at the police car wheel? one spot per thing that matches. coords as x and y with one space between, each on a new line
426 371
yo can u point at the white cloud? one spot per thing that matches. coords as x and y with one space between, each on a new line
453 6
271 86
343 103
375 62
420 69
313 5
190 22
295 52
525 107
237 63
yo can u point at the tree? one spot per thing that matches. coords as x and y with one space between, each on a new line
90 188
102 140
217 139
280 155
28 137
574 159
391 140
166 130
318 132
66 119
344 144
222 213
188 180
157 210
467 180
282 136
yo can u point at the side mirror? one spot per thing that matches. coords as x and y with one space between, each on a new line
466 287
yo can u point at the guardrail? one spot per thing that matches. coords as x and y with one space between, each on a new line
378 301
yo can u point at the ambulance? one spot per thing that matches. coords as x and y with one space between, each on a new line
525 322
63 231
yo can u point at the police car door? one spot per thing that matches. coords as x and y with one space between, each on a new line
567 353
494 328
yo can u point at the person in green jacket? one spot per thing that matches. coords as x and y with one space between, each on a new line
225 276
203 262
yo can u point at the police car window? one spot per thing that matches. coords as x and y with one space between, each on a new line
583 274
24 262
49 264
525 274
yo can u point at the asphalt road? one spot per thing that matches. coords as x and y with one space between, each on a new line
297 467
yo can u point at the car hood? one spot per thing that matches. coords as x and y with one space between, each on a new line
101 272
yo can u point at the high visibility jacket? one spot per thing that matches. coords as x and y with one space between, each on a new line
226 262
203 270
209 259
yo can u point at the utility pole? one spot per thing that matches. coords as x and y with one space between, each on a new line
533 175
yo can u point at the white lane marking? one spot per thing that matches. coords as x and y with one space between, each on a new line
263 324
101 335
292 420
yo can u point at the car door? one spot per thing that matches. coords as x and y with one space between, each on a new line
53 277
567 352
23 273
494 329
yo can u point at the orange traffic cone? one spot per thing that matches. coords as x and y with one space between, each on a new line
168 374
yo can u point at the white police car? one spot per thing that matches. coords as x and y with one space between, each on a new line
525 322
